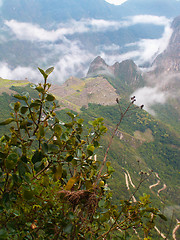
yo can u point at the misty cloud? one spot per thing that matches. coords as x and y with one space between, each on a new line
149 19
116 2
73 63
70 56
32 32
148 49
18 73
150 96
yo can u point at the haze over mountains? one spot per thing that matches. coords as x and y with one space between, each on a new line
111 52
69 35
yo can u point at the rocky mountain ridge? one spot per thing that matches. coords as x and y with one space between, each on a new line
169 60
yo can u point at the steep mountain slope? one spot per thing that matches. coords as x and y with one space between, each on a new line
169 60
75 93
165 77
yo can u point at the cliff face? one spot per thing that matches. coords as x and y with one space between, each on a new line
169 60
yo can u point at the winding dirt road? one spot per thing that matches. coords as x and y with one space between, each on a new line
175 229
129 180
154 185
162 189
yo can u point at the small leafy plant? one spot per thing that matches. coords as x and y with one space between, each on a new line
51 184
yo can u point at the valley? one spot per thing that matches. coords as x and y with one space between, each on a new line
101 51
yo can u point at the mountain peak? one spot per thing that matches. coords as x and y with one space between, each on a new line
99 67
125 73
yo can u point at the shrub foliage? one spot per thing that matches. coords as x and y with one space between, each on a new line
52 185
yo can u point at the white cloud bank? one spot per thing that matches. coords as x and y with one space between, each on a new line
116 2
32 32
73 57
18 73
145 50
73 62
150 96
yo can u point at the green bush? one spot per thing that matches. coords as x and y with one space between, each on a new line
51 184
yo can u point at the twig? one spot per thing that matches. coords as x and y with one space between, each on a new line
110 142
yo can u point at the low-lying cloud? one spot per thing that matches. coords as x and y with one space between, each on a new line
73 63
70 57
150 96
116 2
18 73
32 32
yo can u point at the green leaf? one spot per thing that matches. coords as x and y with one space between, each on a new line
41 131
96 144
70 183
11 161
45 147
49 70
38 165
35 104
43 73
25 94
110 169
101 203
52 148
24 109
37 157
103 129
22 169
28 194
7 121
68 125
40 89
17 106
50 97
57 130
13 157
3 234
71 115
100 119
162 216
69 158
58 172
80 121
6 200
90 149
68 228
18 96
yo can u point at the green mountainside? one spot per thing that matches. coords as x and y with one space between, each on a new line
142 143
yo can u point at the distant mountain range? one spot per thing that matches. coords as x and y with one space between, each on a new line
45 12
70 34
